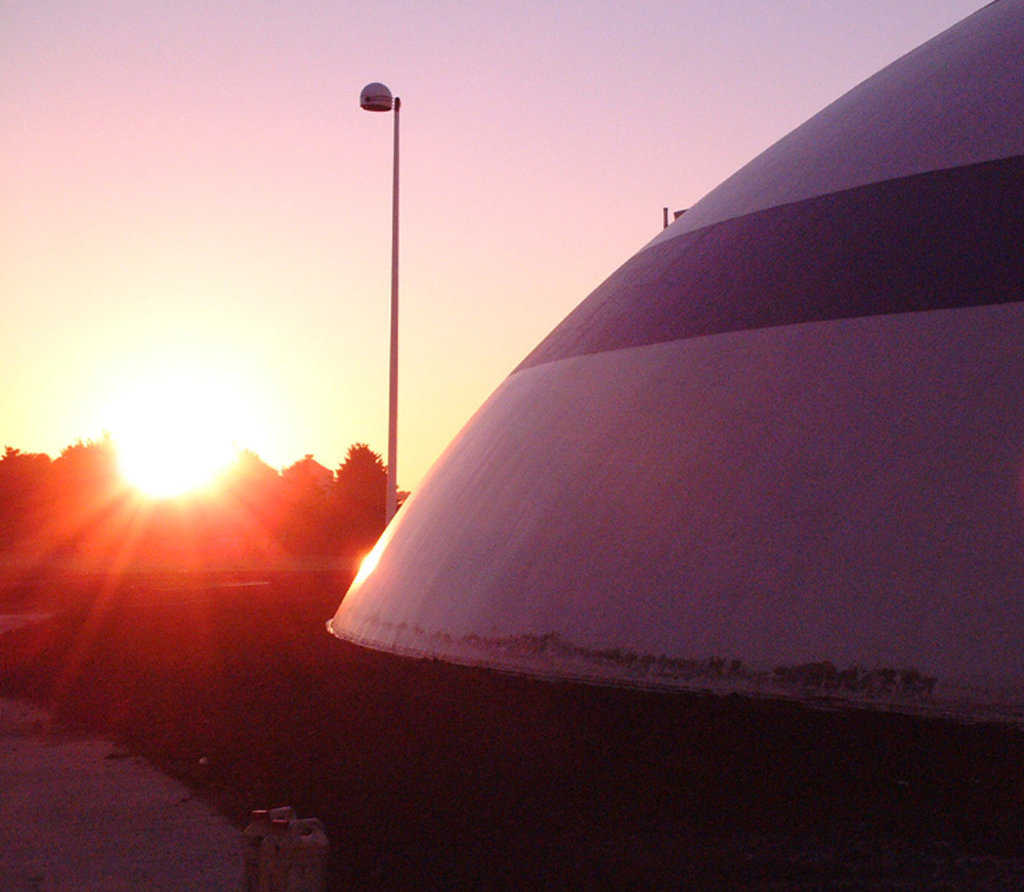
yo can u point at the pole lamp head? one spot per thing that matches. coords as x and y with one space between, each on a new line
375 97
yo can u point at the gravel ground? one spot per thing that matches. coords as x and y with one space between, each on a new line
84 814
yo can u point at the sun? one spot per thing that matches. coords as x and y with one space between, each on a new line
173 431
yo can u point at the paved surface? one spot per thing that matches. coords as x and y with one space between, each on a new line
83 814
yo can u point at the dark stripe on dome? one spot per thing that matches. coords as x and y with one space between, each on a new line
949 238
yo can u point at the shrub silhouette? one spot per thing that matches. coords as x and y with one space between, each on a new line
78 507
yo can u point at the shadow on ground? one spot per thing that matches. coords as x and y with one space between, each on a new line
431 775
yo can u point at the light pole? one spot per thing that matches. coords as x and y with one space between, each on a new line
377 97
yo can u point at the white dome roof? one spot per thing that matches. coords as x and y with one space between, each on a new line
779 450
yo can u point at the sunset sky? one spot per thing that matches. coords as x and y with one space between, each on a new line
195 224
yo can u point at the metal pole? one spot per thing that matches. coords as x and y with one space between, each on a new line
392 496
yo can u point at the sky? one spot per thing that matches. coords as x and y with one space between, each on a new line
195 225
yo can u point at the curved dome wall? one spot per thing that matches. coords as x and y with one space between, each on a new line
779 450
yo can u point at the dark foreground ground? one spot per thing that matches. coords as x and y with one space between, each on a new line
429 775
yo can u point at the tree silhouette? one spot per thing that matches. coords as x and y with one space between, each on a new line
254 493
251 473
85 493
305 521
23 478
359 496
362 478
77 506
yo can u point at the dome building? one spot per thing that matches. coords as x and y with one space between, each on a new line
780 450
